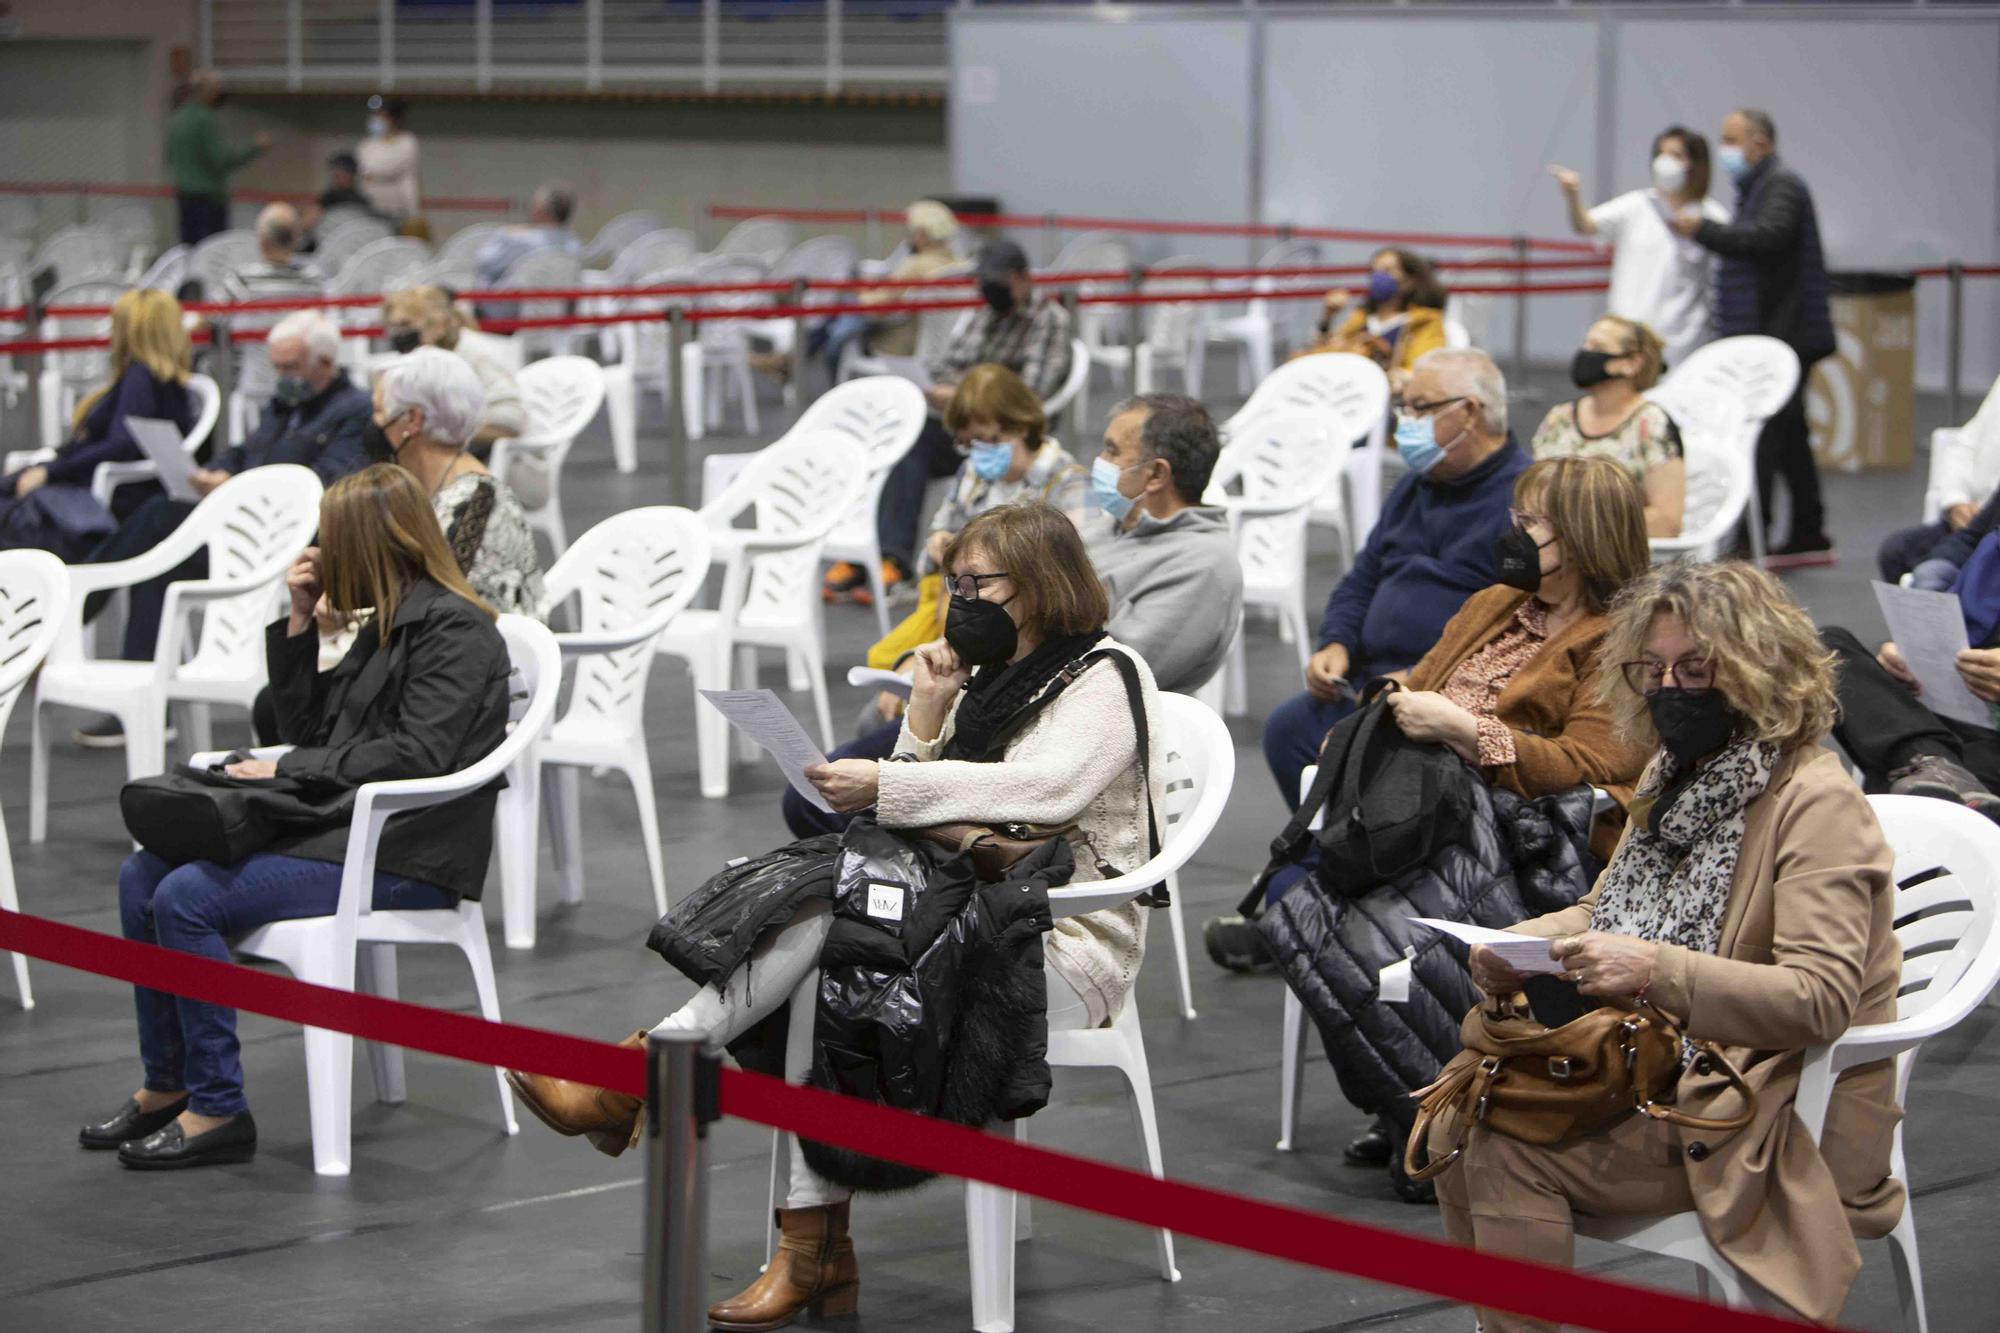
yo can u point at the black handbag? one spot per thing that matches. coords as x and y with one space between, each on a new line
1390 803
204 814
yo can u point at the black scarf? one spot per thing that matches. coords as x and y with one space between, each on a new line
995 695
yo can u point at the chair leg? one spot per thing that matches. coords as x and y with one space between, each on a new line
552 519
710 669
1236 679
816 681
1292 624
1180 944
375 973
145 739
747 386
639 770
38 773
561 811
1138 1075
876 586
472 942
200 727
330 1092
989 1243
1909 1272
621 410
10 900
514 816
746 679
693 372
1290 1085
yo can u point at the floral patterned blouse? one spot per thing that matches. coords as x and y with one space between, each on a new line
1476 683
1641 442
489 534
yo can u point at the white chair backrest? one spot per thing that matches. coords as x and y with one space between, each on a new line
207 395
935 327
883 414
463 244
1718 491
824 257
797 489
86 368
77 253
1094 250
668 248
1171 324
762 239
341 242
534 681
1350 390
1289 254
1730 386
620 232
34 594
1275 459
560 395
19 216
254 525
169 271
1946 923
129 220
543 268
216 259
373 267
1072 385
631 575
722 270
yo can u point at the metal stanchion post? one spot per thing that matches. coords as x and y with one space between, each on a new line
1135 324
798 371
1520 369
1069 425
683 1084
36 365
1954 333
677 432
872 221
225 382
1051 231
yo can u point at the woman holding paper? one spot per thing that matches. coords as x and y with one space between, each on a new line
1751 900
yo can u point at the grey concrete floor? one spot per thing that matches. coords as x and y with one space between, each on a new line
447 1224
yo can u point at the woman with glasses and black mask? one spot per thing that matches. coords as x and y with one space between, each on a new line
1751 900
979 744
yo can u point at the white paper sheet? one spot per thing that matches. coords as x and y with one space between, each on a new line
1527 954
163 444
763 717
875 678
1929 628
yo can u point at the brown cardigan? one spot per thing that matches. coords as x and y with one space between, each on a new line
1562 736
1807 950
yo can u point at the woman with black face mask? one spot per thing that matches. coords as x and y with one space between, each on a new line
1618 362
425 317
1752 901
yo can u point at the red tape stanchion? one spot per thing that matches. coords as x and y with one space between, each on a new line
1320 1241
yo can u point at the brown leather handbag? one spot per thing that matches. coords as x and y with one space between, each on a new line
994 848
1548 1085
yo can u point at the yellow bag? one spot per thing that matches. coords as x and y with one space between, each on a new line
921 626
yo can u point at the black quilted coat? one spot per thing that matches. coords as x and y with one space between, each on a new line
1519 859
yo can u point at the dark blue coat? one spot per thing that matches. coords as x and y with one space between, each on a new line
1772 278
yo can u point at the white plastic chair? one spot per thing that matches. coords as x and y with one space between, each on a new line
1073 384
763 240
129 223
216 259
345 238
1198 770
720 348
376 265
543 269
1951 961
357 943
1719 483
561 395
797 490
1172 334
168 272
934 332
815 259
637 352
620 232
34 595
631 575
1354 393
456 263
1256 329
1100 327
1278 463
67 376
108 477
1727 389
80 253
667 248
884 414
253 526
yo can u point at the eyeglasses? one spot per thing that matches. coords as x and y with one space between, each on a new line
1522 518
1693 674
968 585
1411 409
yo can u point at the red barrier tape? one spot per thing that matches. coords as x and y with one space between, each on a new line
114 190
1966 270
1315 1239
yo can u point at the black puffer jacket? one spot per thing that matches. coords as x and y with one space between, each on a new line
1518 860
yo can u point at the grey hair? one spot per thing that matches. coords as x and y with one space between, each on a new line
559 198
1761 122
278 224
443 385
1180 430
1468 372
315 330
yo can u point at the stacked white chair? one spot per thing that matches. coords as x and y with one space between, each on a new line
716 356
1197 772
815 259
69 375
543 270
560 395
1727 390
631 575
1354 394
252 526
340 241
129 223
796 490
1267 478
1256 330
620 232
456 262
377 265
665 249
1951 961
34 594
639 351
357 943
215 262
79 253
761 240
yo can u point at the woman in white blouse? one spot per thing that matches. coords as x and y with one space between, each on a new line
388 161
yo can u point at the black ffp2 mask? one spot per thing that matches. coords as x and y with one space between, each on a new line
1691 723
405 340
998 293
1517 559
1588 368
980 632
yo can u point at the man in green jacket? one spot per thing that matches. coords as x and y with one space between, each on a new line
199 162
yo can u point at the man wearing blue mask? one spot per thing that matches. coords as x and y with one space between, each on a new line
1431 548
1772 280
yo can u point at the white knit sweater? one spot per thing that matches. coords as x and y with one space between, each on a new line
1076 760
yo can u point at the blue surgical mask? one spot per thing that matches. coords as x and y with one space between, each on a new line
1730 158
1416 441
1104 475
1382 287
991 460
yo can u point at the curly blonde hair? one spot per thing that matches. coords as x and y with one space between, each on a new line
1768 659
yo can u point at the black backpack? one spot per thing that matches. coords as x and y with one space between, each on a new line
1391 803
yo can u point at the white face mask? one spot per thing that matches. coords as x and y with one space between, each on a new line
1669 174
378 126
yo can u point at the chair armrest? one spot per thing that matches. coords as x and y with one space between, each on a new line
110 476
1100 895
1859 1046
18 459
207 757
585 645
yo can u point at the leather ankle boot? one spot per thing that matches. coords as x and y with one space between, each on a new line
813 1271
610 1120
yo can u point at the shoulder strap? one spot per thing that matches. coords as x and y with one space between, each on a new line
1286 847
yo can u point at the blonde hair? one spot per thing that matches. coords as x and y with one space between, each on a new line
1768 660
377 535
146 328
933 219
1038 549
423 309
1598 515
991 392
1642 342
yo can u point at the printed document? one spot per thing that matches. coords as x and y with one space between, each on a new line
1929 628
164 446
1528 954
763 717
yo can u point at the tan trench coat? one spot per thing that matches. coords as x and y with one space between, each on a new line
1807 950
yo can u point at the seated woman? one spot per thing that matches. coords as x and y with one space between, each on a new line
1752 901
927 251
1394 321
1512 685
425 317
1025 604
1620 359
150 358
442 706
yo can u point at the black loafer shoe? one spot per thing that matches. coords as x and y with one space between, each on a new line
130 1123
1371 1149
170 1148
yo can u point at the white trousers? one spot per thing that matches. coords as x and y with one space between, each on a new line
765 983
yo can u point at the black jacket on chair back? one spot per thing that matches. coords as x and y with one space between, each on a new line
434 702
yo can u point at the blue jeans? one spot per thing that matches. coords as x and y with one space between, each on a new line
195 908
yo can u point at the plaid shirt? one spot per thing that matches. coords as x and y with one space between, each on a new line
1034 344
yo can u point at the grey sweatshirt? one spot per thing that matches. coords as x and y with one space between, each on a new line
1176 590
